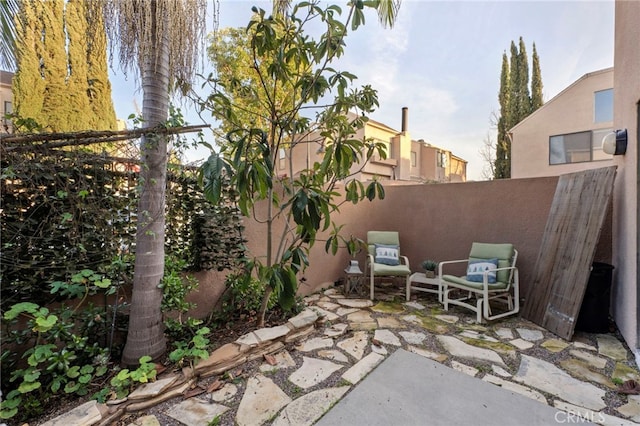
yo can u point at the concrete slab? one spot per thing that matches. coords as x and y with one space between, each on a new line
407 389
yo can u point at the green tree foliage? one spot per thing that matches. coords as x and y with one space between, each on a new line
516 101
230 52
99 90
61 62
536 81
503 126
56 109
78 80
293 73
28 82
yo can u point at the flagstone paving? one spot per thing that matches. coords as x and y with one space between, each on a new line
294 382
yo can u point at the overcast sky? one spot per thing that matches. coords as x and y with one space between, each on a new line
442 60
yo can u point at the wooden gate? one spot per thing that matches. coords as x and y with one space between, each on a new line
568 246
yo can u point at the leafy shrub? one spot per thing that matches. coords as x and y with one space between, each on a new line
242 297
176 285
193 351
68 366
123 382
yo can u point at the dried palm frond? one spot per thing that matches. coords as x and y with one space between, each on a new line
134 28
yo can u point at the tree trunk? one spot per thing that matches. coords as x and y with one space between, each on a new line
146 328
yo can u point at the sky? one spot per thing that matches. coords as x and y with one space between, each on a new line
442 61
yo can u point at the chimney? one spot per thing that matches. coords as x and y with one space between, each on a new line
405 119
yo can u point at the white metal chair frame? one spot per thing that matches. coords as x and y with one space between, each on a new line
371 265
485 294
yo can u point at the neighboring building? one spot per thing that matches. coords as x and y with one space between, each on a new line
407 160
565 134
6 100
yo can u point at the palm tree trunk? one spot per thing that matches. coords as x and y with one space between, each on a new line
146 328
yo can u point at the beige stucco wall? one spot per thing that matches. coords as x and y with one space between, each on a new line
437 221
625 224
570 111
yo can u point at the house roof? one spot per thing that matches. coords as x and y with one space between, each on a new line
572 85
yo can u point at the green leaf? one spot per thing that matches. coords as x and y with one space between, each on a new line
31 375
104 283
26 387
71 387
177 355
145 359
56 384
7 413
66 217
86 369
123 375
86 273
19 308
73 372
45 324
371 191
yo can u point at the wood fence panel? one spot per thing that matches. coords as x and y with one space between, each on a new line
568 246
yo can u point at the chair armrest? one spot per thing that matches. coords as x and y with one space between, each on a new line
485 275
405 260
448 262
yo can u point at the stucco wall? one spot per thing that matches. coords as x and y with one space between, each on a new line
627 96
434 221
570 111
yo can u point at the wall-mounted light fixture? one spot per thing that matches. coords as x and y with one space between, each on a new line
615 143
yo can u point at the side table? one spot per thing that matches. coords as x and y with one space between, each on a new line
420 277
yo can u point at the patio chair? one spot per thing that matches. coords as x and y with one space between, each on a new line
492 275
384 259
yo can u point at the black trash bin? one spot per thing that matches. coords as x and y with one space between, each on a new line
594 312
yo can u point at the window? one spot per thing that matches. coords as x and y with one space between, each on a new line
282 158
603 106
577 147
414 159
8 109
596 146
442 158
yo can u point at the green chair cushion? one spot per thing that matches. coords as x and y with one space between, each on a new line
499 285
389 270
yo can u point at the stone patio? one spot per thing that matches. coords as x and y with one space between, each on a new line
353 336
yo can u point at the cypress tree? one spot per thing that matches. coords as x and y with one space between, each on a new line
516 102
78 85
56 109
514 85
99 92
28 81
524 97
502 140
536 81
62 78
